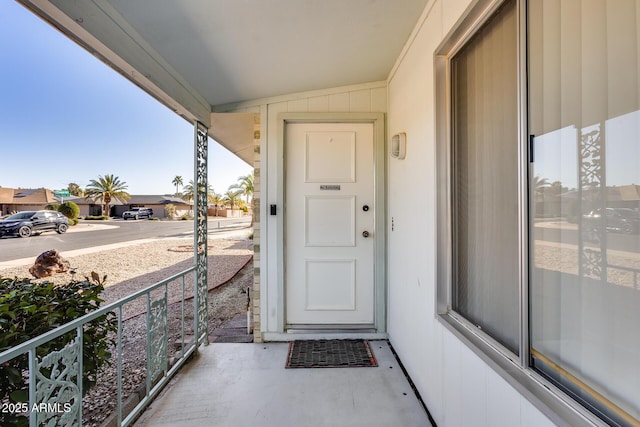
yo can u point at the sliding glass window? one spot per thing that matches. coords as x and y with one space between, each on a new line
584 95
484 179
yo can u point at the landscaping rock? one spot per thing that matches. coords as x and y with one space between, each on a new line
49 263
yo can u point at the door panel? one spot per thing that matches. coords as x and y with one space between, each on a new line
330 157
330 221
329 275
330 284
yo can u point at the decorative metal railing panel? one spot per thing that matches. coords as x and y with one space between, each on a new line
59 389
591 263
200 236
592 191
594 262
55 379
156 339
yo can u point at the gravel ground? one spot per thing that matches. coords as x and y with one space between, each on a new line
132 268
554 257
142 264
225 302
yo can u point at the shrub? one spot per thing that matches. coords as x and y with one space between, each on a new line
52 206
28 310
96 218
70 210
73 221
170 210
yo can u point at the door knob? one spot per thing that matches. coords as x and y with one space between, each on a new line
365 208
365 233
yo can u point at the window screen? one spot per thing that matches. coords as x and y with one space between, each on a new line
485 179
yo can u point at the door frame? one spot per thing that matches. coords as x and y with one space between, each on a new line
380 235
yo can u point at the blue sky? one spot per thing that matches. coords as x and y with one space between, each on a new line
67 117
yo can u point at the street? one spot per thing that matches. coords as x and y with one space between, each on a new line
116 231
569 235
120 231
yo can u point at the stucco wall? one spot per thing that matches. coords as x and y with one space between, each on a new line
457 386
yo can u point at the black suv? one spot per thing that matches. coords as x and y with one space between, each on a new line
622 220
26 223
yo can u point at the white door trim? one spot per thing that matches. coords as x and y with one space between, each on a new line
380 286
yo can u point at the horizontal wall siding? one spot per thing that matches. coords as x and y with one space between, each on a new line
362 98
361 101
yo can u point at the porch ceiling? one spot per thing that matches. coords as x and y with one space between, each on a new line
197 55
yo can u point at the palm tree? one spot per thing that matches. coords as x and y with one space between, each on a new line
231 198
75 190
105 189
245 184
216 200
539 185
177 181
189 192
556 188
246 187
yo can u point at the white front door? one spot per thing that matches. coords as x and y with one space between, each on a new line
329 224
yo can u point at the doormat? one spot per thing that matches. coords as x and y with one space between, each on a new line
330 354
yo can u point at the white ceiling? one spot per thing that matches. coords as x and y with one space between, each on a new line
196 55
234 50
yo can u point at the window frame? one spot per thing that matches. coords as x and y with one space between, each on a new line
515 369
473 20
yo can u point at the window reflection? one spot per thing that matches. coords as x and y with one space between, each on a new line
585 290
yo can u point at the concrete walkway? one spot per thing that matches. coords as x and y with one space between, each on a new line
239 385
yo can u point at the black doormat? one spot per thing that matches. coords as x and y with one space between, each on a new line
330 354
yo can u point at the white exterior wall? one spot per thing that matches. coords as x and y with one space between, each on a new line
457 386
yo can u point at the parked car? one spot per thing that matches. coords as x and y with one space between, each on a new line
137 213
26 223
623 220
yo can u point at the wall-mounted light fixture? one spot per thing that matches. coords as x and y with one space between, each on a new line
399 146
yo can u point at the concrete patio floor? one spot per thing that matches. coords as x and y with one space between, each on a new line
237 385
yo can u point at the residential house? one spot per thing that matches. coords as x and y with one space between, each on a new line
6 198
24 199
158 203
393 145
89 207
34 199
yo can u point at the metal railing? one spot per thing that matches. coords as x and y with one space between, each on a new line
635 272
55 380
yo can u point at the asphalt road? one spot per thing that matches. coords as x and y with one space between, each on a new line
615 241
124 231
119 231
